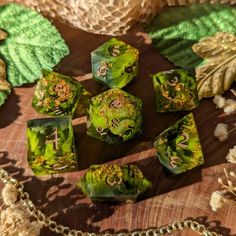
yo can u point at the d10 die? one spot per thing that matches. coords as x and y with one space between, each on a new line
178 148
113 183
115 63
56 95
50 145
114 116
175 90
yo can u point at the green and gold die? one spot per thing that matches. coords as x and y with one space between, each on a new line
114 116
178 148
115 63
56 95
122 183
50 146
175 90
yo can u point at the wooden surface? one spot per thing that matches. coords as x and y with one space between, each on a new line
170 199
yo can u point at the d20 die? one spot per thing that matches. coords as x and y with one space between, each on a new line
114 116
56 95
115 63
175 90
50 145
120 183
178 148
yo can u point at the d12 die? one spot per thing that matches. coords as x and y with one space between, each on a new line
50 145
114 63
120 183
56 95
178 148
175 90
114 116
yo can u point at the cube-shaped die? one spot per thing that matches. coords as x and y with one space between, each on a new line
56 95
178 148
122 183
114 116
114 63
50 145
175 90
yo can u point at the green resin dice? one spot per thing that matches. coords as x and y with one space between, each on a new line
178 148
120 183
114 116
50 145
115 63
175 90
56 95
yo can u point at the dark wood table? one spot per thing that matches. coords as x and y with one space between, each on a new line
170 199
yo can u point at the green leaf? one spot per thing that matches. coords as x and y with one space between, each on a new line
33 44
176 29
3 96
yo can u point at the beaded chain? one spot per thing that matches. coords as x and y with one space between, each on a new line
66 231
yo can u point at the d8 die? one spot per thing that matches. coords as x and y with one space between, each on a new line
115 63
114 116
113 183
175 90
56 95
178 148
50 145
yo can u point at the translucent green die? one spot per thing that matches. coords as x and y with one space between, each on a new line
50 145
178 148
175 90
114 116
120 183
115 63
56 95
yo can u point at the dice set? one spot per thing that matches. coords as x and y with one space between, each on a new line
113 116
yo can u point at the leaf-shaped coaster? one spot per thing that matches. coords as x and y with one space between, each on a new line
33 44
217 73
176 29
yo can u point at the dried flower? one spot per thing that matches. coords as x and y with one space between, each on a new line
228 105
216 201
221 132
219 101
9 194
231 157
227 196
15 220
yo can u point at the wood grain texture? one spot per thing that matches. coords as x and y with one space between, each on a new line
170 199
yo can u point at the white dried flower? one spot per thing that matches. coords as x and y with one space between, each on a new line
9 194
217 200
230 106
228 194
231 157
219 101
15 221
221 132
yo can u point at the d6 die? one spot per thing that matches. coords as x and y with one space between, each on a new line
175 90
178 148
50 145
115 63
114 116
